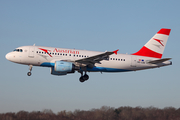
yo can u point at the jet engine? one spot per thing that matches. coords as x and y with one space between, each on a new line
62 68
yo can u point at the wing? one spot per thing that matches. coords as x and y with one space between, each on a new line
159 61
96 59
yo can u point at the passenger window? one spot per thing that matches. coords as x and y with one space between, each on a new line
69 54
79 55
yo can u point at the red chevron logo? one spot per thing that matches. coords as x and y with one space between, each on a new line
46 51
160 41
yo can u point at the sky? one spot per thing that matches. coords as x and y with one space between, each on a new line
88 25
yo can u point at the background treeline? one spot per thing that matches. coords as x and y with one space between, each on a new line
104 113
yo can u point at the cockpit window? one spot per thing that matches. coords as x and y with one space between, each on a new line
18 50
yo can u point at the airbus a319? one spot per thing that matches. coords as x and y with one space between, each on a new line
62 61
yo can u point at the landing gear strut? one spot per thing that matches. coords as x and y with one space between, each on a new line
30 69
83 77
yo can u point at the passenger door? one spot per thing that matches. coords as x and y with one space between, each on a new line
31 51
133 61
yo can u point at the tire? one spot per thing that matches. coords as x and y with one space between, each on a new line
81 79
86 77
29 73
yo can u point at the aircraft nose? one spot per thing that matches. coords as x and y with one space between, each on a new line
8 56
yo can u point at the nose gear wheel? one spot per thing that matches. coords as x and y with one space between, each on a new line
30 69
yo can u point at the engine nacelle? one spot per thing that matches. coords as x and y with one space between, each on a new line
57 73
62 66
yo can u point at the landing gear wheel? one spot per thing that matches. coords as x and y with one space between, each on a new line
29 73
81 79
30 69
86 77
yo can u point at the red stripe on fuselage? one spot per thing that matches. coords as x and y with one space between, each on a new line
144 51
164 31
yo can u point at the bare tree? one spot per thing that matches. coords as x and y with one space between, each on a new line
104 113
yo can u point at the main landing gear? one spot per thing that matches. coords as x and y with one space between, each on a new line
30 69
83 77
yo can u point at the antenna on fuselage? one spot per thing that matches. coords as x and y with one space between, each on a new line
34 44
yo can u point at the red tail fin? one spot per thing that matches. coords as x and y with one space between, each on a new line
155 46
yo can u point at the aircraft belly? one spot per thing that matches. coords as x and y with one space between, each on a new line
111 66
104 69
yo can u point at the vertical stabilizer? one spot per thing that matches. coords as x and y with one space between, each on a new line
155 46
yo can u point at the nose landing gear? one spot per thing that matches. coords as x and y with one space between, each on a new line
83 77
30 69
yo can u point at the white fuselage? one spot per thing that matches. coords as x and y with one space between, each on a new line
63 61
37 56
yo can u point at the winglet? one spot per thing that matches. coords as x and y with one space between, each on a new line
116 51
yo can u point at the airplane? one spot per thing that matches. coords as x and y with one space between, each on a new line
64 61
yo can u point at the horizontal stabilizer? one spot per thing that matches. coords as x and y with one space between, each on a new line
159 61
